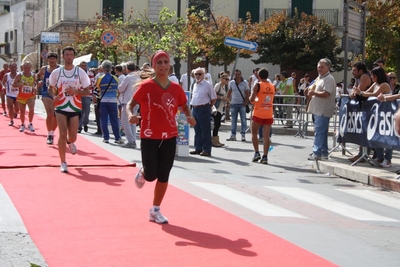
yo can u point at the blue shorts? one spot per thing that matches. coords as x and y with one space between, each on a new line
46 94
14 98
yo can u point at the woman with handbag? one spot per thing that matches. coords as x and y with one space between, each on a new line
220 89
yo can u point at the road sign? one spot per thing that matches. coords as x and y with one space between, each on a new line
50 37
43 54
240 43
108 38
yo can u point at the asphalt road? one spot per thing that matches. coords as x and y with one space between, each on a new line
344 222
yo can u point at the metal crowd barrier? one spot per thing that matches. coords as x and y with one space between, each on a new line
298 118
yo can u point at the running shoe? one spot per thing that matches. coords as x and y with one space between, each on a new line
106 141
156 216
119 141
64 167
22 128
72 148
256 157
11 123
4 113
50 140
264 160
139 178
30 127
243 138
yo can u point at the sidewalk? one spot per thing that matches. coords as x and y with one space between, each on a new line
339 164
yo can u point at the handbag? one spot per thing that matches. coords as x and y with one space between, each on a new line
247 106
218 102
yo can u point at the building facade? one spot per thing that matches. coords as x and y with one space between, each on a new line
66 16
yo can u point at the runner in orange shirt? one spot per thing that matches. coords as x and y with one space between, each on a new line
262 97
25 81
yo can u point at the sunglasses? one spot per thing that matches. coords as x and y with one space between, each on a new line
227 79
198 74
394 78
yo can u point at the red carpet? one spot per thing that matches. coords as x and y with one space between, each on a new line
30 149
94 216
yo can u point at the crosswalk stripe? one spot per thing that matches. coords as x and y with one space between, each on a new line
330 204
375 197
245 200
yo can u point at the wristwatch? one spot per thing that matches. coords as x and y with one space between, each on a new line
361 93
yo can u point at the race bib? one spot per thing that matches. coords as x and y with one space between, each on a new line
67 84
27 89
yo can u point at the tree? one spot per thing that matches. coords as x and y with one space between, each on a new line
298 42
88 40
165 33
207 34
383 32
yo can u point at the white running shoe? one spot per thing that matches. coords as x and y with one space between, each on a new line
139 178
22 128
64 167
50 139
30 127
72 148
386 164
157 217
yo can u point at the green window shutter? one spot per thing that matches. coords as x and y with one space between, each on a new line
113 7
252 6
302 6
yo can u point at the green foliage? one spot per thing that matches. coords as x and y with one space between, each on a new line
383 32
298 42
165 33
207 35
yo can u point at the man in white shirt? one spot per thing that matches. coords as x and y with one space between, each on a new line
204 97
126 89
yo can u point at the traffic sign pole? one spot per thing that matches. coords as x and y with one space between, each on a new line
237 55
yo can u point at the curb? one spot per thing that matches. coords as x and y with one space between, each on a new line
369 175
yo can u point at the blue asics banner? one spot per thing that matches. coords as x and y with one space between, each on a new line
368 124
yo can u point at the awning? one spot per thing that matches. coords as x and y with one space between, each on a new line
86 58
33 59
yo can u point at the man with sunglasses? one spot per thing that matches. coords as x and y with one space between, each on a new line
204 97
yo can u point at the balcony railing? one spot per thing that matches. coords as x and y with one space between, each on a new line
330 15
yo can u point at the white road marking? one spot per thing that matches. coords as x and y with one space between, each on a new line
247 201
375 197
330 204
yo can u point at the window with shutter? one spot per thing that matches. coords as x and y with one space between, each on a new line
113 8
252 6
305 6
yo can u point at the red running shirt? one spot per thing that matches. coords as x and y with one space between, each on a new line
158 108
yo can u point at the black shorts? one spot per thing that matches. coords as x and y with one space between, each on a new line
69 115
157 158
